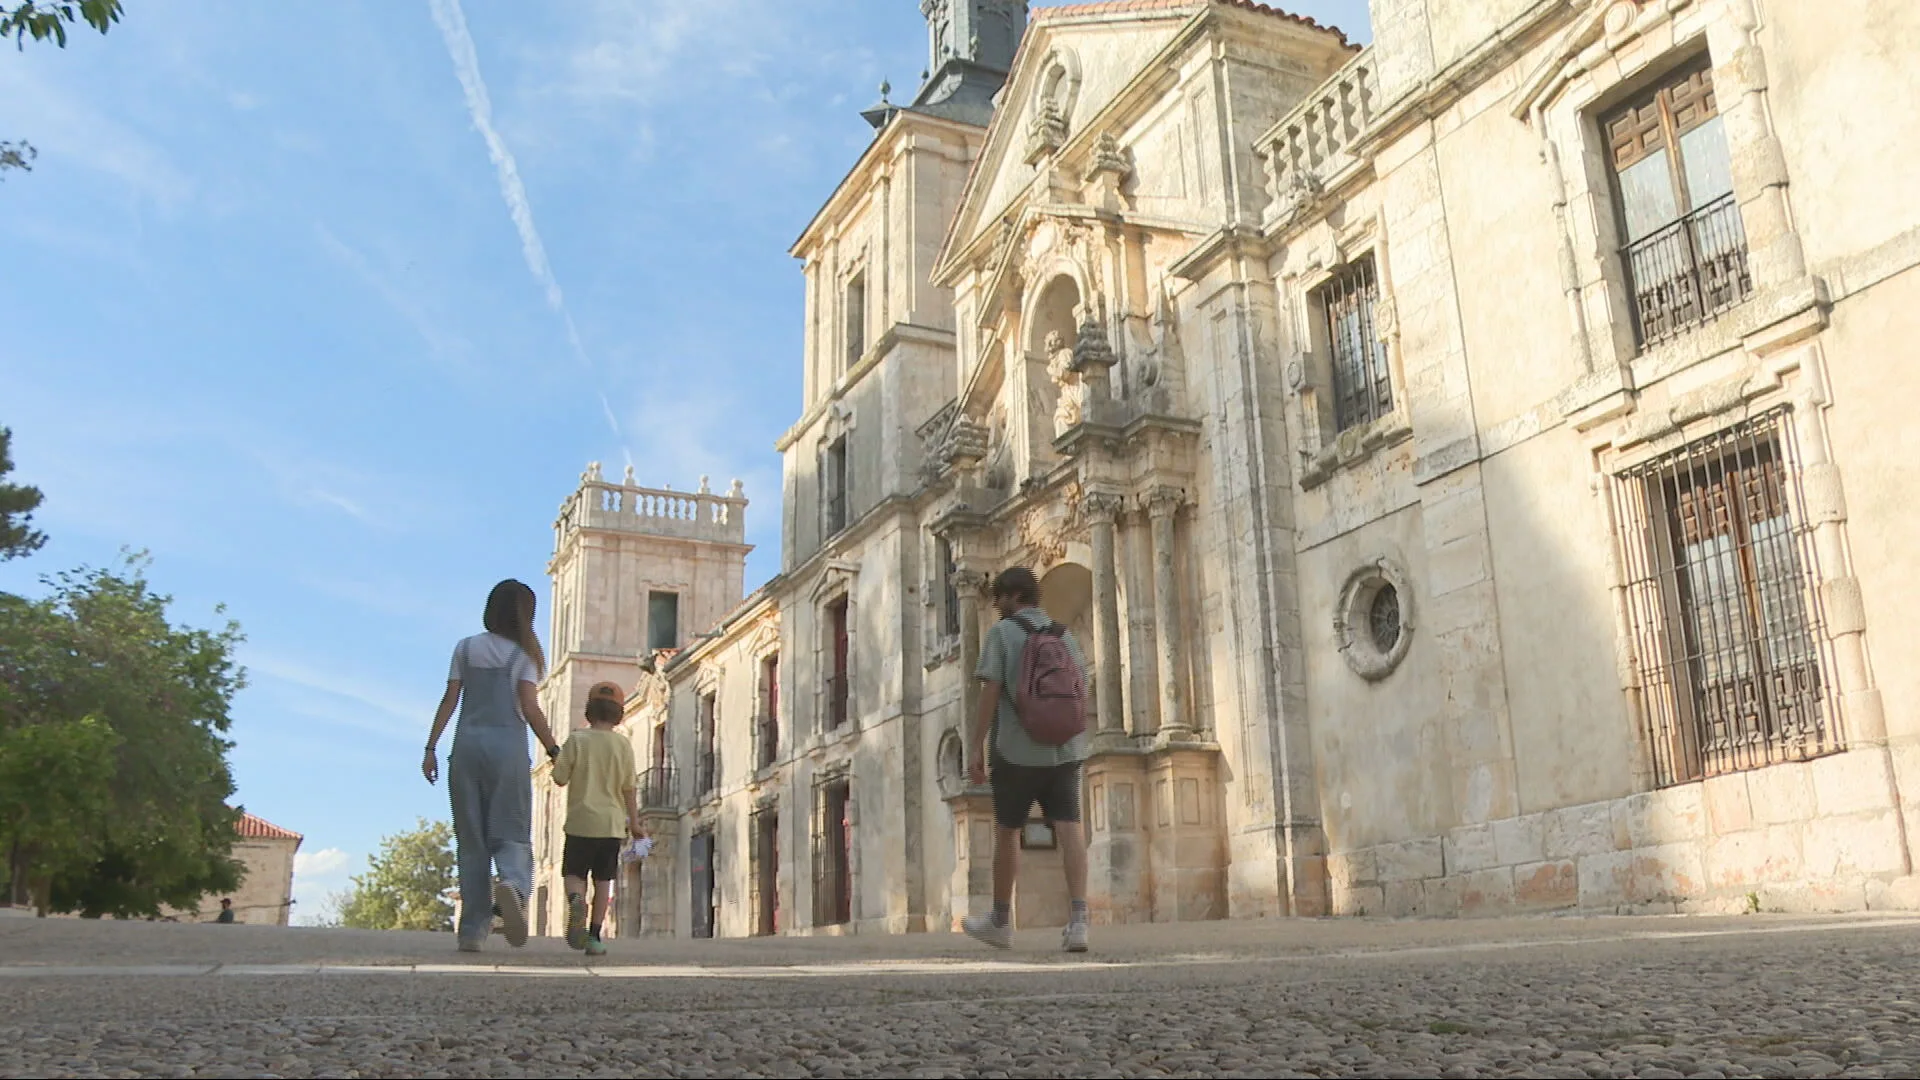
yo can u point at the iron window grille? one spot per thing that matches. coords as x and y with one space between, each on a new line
766 726
836 483
1686 246
1723 605
1362 382
832 854
707 774
763 856
659 789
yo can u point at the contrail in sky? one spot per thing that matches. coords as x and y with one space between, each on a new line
452 20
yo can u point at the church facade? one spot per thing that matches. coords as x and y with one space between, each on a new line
1475 462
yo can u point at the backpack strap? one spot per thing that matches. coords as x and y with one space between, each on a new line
1032 629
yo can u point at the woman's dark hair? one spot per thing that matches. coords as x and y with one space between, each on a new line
510 614
603 711
1018 583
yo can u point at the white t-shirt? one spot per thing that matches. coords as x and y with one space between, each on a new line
493 651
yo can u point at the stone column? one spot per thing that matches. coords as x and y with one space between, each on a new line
1162 506
1101 510
972 586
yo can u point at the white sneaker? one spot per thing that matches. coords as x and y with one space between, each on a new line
513 913
980 928
1074 937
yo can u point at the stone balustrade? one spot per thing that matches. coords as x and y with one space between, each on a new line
699 515
1310 145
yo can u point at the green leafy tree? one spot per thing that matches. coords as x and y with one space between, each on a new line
407 885
17 504
47 20
56 795
100 646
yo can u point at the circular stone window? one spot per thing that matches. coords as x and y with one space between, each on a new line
1373 624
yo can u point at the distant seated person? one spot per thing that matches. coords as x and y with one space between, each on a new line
226 912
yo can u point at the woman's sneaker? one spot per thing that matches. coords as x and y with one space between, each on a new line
981 928
1074 938
513 913
469 946
595 947
577 922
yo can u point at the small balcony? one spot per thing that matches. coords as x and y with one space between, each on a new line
1310 146
659 789
1688 272
706 775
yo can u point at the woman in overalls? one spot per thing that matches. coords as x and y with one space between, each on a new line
489 775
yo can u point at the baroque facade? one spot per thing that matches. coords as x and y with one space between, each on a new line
1474 460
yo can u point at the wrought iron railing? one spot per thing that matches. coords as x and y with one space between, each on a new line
766 741
1724 603
659 789
836 703
706 776
1689 272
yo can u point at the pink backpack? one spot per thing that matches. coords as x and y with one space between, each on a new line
1051 696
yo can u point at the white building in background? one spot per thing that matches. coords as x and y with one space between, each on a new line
1476 460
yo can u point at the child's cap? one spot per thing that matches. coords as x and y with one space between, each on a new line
606 690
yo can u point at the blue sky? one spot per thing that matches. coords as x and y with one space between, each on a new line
327 306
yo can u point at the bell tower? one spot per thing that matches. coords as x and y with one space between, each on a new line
971 45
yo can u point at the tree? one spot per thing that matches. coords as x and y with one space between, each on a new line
42 20
100 647
407 885
56 793
17 504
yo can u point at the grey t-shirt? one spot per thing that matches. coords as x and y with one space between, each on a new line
1000 663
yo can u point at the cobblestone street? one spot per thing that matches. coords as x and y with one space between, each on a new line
1648 997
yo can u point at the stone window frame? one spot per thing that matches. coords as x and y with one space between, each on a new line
856 322
1352 616
763 652
942 601
1623 49
1309 376
837 430
706 687
679 596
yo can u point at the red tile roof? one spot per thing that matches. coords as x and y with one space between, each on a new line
1105 7
258 828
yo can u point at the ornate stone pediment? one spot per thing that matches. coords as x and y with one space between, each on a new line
1606 27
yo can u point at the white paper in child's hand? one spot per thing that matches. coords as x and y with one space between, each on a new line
636 850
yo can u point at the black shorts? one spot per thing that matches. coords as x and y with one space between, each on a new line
597 857
1017 787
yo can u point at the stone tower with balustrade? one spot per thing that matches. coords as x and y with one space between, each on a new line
637 573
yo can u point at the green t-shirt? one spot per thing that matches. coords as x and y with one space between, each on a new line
596 768
1000 663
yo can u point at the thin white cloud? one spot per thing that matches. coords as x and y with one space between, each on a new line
65 130
445 346
452 21
317 877
344 697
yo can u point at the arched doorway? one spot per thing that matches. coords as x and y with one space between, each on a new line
1066 591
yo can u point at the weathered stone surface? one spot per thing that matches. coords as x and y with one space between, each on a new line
1729 807
1606 880
1546 885
1410 860
1581 830
1485 892
1781 794
1856 782
1470 848
1860 844
1520 839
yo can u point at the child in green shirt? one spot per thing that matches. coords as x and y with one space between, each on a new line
596 767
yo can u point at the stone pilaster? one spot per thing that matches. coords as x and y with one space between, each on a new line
1163 506
972 586
1101 510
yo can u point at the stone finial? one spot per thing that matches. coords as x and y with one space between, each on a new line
629 480
705 487
593 472
1110 157
738 490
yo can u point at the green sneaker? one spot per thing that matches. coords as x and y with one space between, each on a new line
576 921
596 947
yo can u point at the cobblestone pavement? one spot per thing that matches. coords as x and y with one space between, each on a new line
1649 997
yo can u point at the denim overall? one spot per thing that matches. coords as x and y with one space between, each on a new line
490 780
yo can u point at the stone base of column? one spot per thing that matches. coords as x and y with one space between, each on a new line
1189 850
1115 793
971 890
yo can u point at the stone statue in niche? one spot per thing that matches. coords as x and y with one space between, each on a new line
1072 406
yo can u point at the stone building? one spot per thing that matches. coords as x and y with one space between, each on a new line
265 896
1475 461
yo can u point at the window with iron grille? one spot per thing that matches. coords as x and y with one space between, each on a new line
836 480
763 838
1723 604
707 771
1686 247
832 853
1362 384
766 728
949 591
838 685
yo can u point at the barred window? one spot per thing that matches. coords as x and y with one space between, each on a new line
949 591
763 837
1362 385
832 852
707 771
1686 247
1723 605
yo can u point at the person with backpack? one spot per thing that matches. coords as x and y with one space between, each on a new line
1032 727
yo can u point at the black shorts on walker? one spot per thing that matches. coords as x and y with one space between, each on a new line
1017 787
597 857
